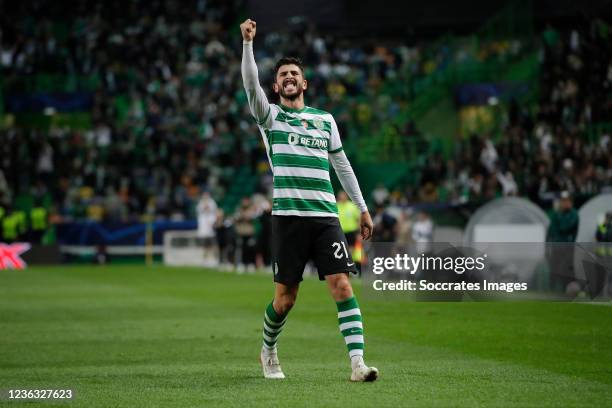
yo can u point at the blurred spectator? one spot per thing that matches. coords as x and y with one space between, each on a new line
562 230
225 238
488 156
563 221
101 257
244 226
380 194
509 186
603 236
404 230
422 232
207 217
264 236
604 230
384 225
39 222
10 227
350 219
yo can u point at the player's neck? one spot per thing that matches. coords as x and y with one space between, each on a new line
297 103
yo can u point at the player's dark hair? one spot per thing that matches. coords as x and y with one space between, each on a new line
288 61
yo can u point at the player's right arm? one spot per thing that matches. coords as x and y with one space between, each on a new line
258 102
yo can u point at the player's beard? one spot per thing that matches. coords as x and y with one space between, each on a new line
291 96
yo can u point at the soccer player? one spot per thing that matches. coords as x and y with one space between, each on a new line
301 142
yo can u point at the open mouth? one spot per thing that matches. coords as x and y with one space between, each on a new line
289 83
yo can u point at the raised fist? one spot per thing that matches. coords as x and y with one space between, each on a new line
248 29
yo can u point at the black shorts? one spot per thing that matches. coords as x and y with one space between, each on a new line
295 240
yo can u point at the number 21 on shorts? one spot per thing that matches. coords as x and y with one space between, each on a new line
339 246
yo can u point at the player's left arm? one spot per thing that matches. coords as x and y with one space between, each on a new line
347 178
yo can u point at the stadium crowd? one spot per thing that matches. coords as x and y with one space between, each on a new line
547 150
169 118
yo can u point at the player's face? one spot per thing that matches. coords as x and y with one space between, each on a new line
290 82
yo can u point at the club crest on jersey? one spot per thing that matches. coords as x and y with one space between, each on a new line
294 138
318 123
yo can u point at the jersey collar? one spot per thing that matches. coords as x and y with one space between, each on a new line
288 109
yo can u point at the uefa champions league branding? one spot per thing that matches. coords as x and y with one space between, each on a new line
11 255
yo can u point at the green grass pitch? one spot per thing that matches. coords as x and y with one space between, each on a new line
182 337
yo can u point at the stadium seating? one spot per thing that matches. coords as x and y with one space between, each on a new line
93 120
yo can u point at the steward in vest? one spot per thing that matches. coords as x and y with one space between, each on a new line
38 223
10 228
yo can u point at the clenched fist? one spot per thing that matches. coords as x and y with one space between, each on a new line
248 29
366 225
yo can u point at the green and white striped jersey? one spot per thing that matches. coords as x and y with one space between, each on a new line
298 144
